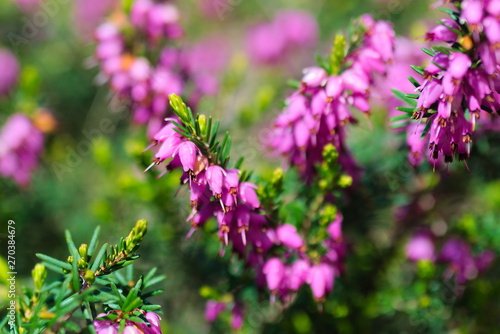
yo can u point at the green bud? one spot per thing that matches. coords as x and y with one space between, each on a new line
202 123
82 264
207 292
127 5
136 235
330 154
328 214
83 251
345 181
323 184
277 178
39 273
425 269
70 259
337 54
89 276
179 107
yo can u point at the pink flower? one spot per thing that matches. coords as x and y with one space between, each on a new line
237 316
9 73
420 247
212 310
274 271
20 149
288 236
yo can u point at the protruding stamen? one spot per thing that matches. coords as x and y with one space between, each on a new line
150 166
154 143
190 233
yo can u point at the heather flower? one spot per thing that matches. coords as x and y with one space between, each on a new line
316 113
271 42
321 278
20 149
88 14
288 236
420 247
146 82
10 71
459 87
461 262
212 310
237 316
131 327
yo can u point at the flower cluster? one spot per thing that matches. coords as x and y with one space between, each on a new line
285 275
147 82
214 308
455 252
10 71
317 112
20 150
277 252
460 84
131 327
214 190
271 42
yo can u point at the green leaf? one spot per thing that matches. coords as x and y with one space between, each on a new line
400 118
93 241
414 81
293 83
209 128
132 295
403 97
151 273
71 245
214 133
155 280
406 109
57 263
152 293
98 259
418 69
429 52
150 307
75 278
117 293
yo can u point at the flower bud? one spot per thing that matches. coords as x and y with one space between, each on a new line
82 250
39 273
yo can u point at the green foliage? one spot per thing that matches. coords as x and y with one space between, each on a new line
87 283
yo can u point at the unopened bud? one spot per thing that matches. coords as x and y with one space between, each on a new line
82 264
337 54
179 107
89 276
330 154
83 251
345 181
202 123
39 273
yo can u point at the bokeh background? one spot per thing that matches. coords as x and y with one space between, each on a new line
103 184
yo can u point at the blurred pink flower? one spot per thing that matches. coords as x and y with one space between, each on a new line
289 31
21 145
420 247
10 71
